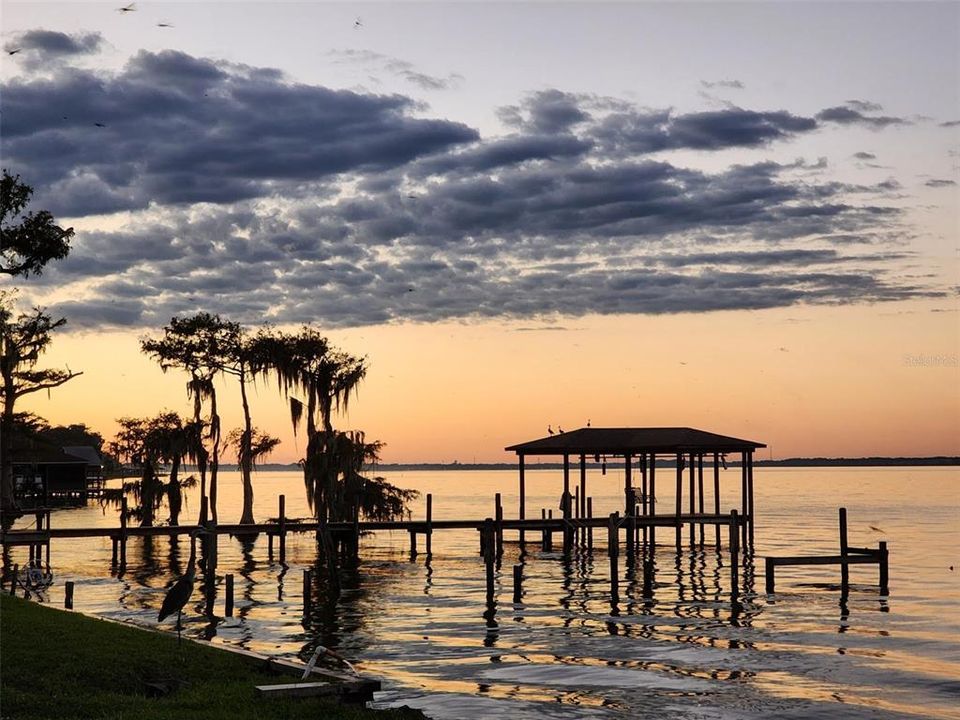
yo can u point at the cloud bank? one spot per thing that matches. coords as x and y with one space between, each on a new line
262 198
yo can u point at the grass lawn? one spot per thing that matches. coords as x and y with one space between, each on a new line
56 664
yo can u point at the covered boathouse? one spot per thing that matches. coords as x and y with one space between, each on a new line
640 449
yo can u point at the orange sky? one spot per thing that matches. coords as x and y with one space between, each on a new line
832 381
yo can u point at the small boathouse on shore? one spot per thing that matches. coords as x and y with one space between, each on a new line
640 449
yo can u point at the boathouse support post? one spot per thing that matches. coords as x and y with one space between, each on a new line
693 498
652 500
679 526
566 505
744 493
629 498
613 549
523 501
582 509
734 557
700 492
590 525
68 595
750 495
716 493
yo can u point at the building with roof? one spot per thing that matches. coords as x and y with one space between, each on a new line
640 449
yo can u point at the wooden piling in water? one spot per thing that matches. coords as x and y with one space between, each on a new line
14 579
844 551
734 557
652 499
693 498
413 544
282 522
884 569
613 550
679 529
228 610
590 529
428 539
517 583
488 534
716 493
700 489
498 513
123 532
68 595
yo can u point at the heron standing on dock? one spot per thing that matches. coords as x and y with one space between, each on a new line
178 595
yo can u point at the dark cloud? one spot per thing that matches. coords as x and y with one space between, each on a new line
864 156
54 44
266 199
547 111
178 129
731 84
936 183
950 123
854 112
711 130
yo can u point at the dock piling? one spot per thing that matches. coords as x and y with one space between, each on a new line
517 583
428 535
68 595
489 551
844 550
884 569
613 550
307 594
228 610
123 532
282 521
734 557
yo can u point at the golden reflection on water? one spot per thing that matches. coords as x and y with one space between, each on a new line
424 625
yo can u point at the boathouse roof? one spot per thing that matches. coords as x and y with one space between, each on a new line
617 441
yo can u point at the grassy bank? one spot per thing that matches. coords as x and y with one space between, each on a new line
56 664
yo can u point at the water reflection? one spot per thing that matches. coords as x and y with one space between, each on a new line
671 643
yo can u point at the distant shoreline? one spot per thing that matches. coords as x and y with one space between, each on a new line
936 461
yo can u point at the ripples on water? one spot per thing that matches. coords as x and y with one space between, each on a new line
424 626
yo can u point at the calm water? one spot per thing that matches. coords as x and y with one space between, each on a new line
565 652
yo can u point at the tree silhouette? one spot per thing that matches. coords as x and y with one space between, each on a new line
326 379
22 341
28 241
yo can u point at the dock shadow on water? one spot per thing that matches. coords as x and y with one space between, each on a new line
671 643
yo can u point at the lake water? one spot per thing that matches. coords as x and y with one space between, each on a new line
565 652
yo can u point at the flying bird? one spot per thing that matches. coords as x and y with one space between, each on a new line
14 51
178 595
876 529
132 7
163 24
358 23
100 125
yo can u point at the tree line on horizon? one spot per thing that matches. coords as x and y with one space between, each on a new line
317 379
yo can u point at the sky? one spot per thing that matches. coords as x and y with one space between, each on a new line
741 217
